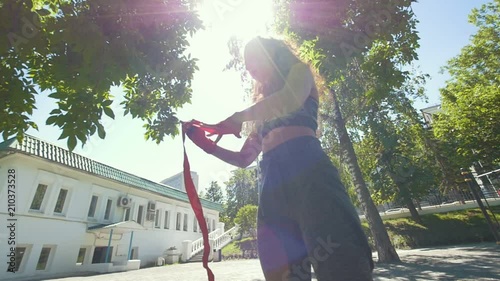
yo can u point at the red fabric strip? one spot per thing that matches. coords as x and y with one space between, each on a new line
197 208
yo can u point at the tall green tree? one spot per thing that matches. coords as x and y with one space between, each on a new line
75 51
246 218
214 193
241 190
471 98
402 161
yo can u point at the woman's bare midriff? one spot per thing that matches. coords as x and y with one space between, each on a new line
280 135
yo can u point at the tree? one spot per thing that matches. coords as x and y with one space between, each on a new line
246 218
77 50
214 193
385 249
471 99
241 190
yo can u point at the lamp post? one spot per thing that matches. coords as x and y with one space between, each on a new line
470 181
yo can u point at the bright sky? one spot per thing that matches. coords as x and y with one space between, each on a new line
443 30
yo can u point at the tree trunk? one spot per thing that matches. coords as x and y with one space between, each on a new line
417 203
405 194
385 249
413 210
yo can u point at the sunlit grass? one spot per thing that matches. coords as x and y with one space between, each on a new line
441 229
233 248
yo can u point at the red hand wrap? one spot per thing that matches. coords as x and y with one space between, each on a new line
197 136
197 207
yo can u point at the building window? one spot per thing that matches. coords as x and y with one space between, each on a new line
43 259
157 218
102 254
185 225
93 206
107 212
36 204
20 251
134 254
166 223
140 214
80 259
126 215
213 224
178 222
61 198
195 224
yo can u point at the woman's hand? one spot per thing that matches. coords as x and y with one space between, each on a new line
231 125
197 136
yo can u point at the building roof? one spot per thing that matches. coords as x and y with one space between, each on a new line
177 180
35 147
118 228
432 109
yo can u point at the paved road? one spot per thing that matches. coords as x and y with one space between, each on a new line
469 262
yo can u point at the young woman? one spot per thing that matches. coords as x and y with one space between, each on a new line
305 216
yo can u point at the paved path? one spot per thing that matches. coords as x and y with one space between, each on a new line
469 262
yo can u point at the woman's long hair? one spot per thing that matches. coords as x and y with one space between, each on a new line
282 58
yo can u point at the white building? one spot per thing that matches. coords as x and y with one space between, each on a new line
429 112
177 181
73 214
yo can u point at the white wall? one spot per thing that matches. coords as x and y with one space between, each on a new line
65 233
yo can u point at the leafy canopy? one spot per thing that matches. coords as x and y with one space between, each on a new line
246 218
471 98
77 50
214 193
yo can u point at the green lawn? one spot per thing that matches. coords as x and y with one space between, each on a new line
457 227
235 247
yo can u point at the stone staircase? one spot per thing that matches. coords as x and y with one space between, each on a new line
198 258
193 250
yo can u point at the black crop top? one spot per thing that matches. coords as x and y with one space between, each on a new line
306 116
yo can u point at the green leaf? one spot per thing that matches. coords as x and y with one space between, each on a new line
43 12
57 95
100 131
92 129
51 120
65 133
71 143
107 103
81 136
108 111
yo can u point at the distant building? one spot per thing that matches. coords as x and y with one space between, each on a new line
72 214
429 112
177 181
484 182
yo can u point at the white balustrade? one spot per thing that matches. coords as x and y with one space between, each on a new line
191 248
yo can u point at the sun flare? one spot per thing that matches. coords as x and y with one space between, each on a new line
241 18
218 93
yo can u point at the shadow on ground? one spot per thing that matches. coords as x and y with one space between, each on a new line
474 262
466 262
